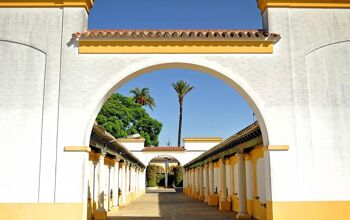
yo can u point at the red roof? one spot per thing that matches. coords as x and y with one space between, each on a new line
164 148
177 34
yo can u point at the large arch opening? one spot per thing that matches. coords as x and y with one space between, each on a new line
232 80
163 177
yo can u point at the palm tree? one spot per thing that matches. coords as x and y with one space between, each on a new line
182 88
143 97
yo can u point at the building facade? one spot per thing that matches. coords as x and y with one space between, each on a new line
56 75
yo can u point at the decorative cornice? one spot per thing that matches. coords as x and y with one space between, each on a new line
87 4
264 4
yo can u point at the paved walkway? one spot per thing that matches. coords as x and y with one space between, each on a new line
168 204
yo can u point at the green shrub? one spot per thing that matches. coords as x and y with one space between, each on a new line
178 175
160 179
151 176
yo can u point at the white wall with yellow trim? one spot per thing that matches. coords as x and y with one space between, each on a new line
299 92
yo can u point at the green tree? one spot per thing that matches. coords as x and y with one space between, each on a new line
121 116
143 97
182 88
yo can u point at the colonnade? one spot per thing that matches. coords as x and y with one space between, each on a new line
233 183
112 183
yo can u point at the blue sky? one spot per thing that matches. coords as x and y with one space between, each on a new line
212 109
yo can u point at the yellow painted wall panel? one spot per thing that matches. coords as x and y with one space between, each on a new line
175 47
337 210
41 211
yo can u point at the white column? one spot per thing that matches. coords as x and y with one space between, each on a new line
184 179
137 179
132 179
223 180
116 184
166 173
91 182
192 181
229 178
143 180
109 186
101 182
127 176
242 191
189 180
196 179
123 183
207 189
211 178
201 183
95 184
216 180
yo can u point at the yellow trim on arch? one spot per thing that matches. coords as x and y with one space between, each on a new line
87 4
175 47
264 4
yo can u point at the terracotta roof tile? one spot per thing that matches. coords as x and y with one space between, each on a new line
177 35
166 148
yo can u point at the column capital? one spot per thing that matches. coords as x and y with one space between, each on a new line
241 154
102 155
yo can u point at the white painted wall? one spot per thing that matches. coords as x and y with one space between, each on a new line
249 179
133 146
199 146
300 94
316 43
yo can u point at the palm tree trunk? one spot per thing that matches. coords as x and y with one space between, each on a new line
180 126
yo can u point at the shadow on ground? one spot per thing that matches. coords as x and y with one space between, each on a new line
169 204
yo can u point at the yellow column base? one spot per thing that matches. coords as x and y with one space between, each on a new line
225 206
213 200
193 195
243 216
201 198
100 215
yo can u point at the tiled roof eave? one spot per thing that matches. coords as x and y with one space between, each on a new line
176 35
266 39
